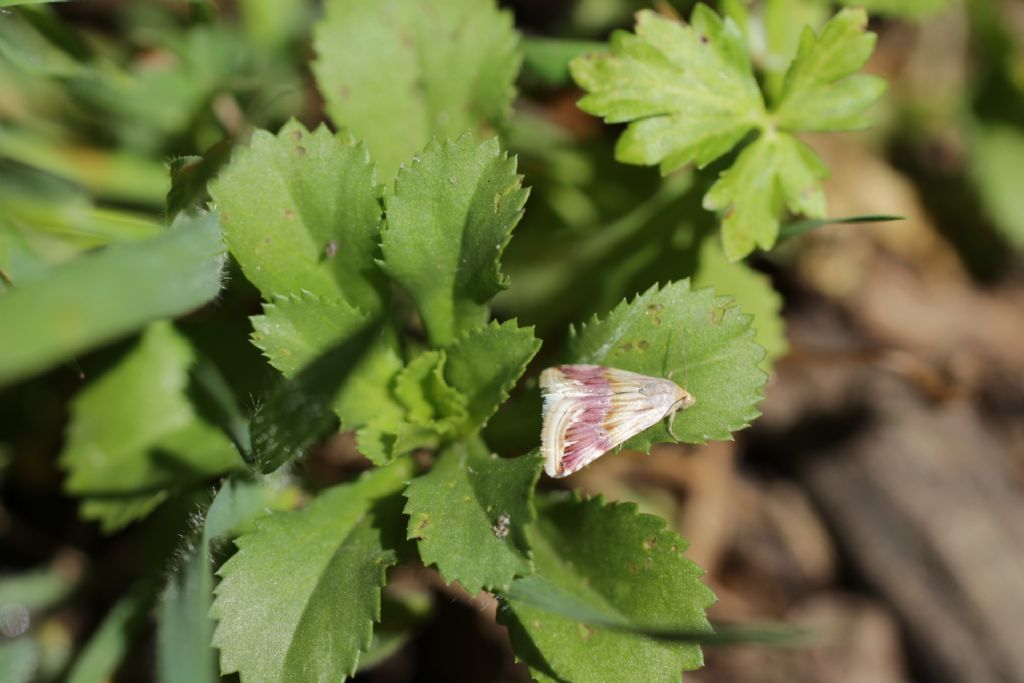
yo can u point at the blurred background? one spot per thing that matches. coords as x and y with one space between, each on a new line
879 501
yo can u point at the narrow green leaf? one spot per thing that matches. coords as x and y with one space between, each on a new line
301 214
485 363
135 438
698 339
448 222
688 91
537 591
215 401
35 590
450 66
797 228
98 661
821 91
298 600
102 296
469 515
607 560
185 630
753 293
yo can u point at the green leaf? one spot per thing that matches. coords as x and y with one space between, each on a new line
108 646
300 213
997 171
484 364
449 66
797 228
753 293
696 338
821 91
689 95
35 590
135 438
298 599
99 297
191 176
448 222
688 91
294 329
350 379
611 560
910 9
537 591
548 58
469 515
772 172
428 399
19 660
184 652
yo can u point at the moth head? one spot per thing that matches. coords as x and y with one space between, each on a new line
684 399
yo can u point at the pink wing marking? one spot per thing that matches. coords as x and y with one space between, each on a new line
590 409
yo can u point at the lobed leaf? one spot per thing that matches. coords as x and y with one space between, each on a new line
449 66
689 95
469 515
448 222
698 339
772 172
300 213
134 436
820 91
608 560
298 600
688 90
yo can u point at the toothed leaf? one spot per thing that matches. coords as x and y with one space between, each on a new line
300 213
448 221
700 340
485 364
615 562
469 514
449 67
298 600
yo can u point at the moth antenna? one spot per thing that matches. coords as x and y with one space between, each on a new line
686 369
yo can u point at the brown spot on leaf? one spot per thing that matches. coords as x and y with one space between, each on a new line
643 345
331 249
289 215
296 135
717 314
649 543
299 150
586 631
422 524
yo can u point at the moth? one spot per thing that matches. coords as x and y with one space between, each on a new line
591 409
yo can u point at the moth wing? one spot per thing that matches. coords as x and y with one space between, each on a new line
590 409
